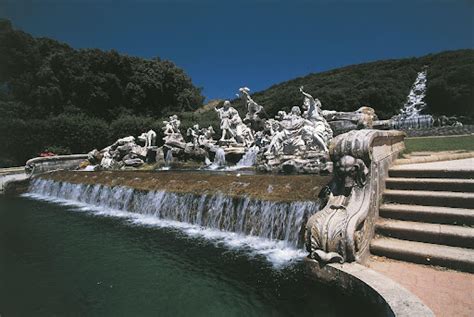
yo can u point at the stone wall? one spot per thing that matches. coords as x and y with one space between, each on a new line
437 131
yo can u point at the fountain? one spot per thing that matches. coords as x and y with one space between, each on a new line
291 143
244 215
331 213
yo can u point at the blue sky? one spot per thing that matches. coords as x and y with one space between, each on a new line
224 45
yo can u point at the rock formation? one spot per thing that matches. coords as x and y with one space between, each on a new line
125 152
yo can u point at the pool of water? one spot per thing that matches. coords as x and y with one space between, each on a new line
65 259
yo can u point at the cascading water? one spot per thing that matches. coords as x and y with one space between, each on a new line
415 101
168 158
280 221
249 158
219 160
410 117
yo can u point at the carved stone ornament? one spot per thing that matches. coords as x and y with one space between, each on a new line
342 230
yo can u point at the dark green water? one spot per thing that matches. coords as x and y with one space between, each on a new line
57 261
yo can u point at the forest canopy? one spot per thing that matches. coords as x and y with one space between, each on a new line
54 96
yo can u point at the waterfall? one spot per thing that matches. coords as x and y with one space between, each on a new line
410 117
168 158
249 158
219 160
415 101
282 221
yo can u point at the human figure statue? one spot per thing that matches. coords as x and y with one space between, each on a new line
276 136
171 130
172 126
205 136
225 115
321 129
255 112
149 138
194 132
281 115
311 106
253 108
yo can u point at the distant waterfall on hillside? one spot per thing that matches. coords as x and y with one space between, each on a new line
280 221
410 117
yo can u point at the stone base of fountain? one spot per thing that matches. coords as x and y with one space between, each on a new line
312 162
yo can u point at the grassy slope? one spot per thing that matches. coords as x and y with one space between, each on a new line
448 143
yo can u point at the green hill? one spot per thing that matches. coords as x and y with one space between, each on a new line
383 85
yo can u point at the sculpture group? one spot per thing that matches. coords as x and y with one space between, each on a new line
290 142
294 142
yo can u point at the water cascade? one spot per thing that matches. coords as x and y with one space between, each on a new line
250 157
219 160
242 215
169 158
410 117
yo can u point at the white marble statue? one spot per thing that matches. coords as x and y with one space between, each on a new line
294 134
205 137
233 129
172 126
149 138
321 130
194 133
171 130
253 109
311 106
226 115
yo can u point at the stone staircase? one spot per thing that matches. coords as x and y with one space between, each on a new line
427 217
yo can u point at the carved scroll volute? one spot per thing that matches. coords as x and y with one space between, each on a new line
332 232
341 231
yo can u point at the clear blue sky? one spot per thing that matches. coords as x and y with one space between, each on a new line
224 45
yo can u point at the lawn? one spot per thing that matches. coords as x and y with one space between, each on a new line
448 143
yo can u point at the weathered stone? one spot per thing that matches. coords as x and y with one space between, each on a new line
94 157
346 225
136 162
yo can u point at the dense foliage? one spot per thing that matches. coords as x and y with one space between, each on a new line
54 95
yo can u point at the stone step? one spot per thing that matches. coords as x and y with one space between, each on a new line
424 253
431 184
457 236
442 215
399 171
430 198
